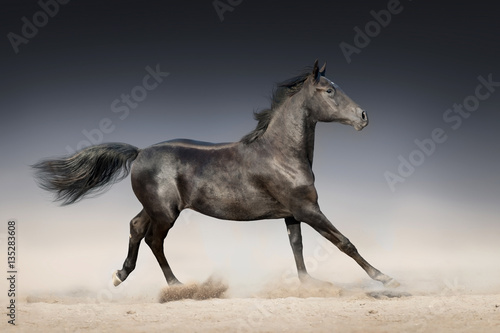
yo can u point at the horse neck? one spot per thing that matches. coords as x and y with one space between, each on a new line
292 131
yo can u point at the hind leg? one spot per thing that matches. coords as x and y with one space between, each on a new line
138 227
155 236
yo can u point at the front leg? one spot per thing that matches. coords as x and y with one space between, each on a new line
295 237
310 213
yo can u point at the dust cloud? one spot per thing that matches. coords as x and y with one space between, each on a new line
449 274
212 288
254 259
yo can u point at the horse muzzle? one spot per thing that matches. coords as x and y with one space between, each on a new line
363 120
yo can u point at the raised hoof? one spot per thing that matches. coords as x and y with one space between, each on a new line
116 279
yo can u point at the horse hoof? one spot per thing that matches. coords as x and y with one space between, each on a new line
312 282
392 284
116 279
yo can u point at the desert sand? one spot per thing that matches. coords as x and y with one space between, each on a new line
289 307
448 284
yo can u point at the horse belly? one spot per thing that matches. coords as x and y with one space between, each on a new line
231 201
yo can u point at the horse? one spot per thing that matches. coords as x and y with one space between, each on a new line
266 175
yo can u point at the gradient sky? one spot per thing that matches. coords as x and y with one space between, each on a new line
64 80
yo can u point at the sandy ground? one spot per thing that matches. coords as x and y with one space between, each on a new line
64 284
291 309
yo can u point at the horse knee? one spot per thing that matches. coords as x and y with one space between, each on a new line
297 244
296 241
347 247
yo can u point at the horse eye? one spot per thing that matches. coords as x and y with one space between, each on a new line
329 91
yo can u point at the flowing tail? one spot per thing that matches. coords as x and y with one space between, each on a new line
89 171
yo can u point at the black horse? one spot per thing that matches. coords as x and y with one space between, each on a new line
266 175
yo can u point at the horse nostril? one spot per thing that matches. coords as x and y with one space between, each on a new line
363 115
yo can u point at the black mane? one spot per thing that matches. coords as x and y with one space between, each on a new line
281 92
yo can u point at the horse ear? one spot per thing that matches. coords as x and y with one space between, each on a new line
322 71
315 73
